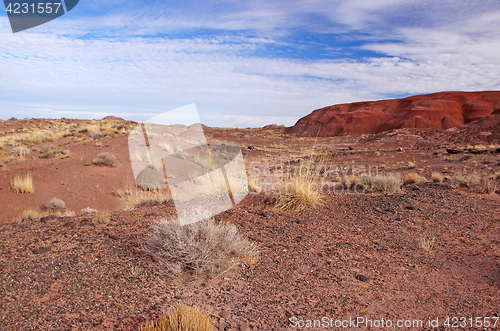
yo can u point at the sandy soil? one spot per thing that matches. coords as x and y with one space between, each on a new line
358 256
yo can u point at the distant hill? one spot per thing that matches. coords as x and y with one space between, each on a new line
441 110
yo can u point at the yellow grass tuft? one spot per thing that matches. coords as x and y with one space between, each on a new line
437 177
298 189
386 184
427 244
134 197
23 184
411 178
184 318
351 181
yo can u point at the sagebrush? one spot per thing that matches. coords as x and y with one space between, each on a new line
202 249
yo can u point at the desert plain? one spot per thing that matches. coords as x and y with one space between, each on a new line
423 246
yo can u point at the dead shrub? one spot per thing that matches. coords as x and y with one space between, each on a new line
55 204
105 159
20 151
202 249
184 318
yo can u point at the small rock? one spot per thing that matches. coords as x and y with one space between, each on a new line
411 207
224 314
244 327
41 250
362 278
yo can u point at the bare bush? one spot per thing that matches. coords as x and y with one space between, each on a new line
20 151
203 249
55 204
105 159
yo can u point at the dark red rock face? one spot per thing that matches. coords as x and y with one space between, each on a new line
441 110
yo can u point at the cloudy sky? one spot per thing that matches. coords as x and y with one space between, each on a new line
244 63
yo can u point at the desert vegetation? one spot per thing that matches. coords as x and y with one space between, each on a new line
184 318
55 204
134 197
105 159
202 249
382 183
298 187
23 184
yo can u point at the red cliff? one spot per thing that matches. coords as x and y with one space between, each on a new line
441 110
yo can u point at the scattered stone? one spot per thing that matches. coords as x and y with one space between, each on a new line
453 151
224 314
41 250
362 278
466 157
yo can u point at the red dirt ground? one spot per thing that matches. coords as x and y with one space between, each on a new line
357 256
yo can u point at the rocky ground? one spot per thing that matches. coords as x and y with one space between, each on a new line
358 256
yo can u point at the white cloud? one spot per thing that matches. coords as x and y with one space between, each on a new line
136 77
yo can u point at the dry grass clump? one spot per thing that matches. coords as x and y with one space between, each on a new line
466 180
474 182
55 204
202 249
105 159
20 151
23 184
427 244
133 197
437 177
412 178
253 184
411 165
298 188
102 217
29 215
379 183
184 318
351 181
34 214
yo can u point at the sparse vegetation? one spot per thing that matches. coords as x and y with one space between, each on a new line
298 189
437 177
427 244
475 182
133 197
20 151
102 217
202 249
184 318
105 159
55 204
23 184
412 178
386 184
351 181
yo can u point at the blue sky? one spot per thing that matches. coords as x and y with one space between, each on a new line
244 63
